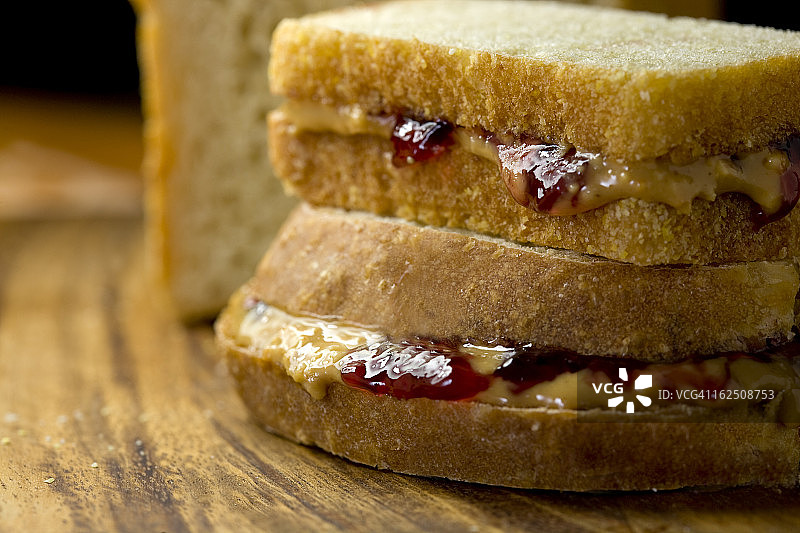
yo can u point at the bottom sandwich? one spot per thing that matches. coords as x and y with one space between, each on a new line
484 399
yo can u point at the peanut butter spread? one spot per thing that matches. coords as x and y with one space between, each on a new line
317 352
595 180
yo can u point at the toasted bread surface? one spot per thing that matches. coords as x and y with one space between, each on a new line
625 84
410 281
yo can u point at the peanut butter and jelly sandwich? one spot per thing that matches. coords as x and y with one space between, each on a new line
541 245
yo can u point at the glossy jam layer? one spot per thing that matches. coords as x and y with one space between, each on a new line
416 140
420 369
544 177
524 367
552 378
561 180
317 352
789 184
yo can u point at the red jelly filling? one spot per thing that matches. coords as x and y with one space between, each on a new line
530 366
416 140
419 369
539 175
790 186
441 371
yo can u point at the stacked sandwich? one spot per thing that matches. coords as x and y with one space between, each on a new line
542 246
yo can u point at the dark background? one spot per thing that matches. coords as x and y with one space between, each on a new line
83 46
88 47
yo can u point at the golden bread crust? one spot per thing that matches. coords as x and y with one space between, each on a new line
462 190
526 448
408 280
628 85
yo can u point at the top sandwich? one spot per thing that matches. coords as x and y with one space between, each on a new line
692 119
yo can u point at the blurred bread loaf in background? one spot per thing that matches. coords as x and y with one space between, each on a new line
212 205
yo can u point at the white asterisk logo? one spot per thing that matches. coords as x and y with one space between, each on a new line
645 381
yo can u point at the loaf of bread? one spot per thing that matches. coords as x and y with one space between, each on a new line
212 205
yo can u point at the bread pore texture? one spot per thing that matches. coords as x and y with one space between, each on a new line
410 280
462 190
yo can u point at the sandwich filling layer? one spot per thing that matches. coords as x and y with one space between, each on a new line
563 180
317 352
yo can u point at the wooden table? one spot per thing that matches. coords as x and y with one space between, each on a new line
114 416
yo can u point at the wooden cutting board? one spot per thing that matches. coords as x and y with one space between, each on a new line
116 417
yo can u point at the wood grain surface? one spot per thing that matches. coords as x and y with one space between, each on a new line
116 417
66 156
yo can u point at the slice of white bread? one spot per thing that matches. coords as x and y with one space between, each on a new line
407 280
519 447
463 190
212 205
627 85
